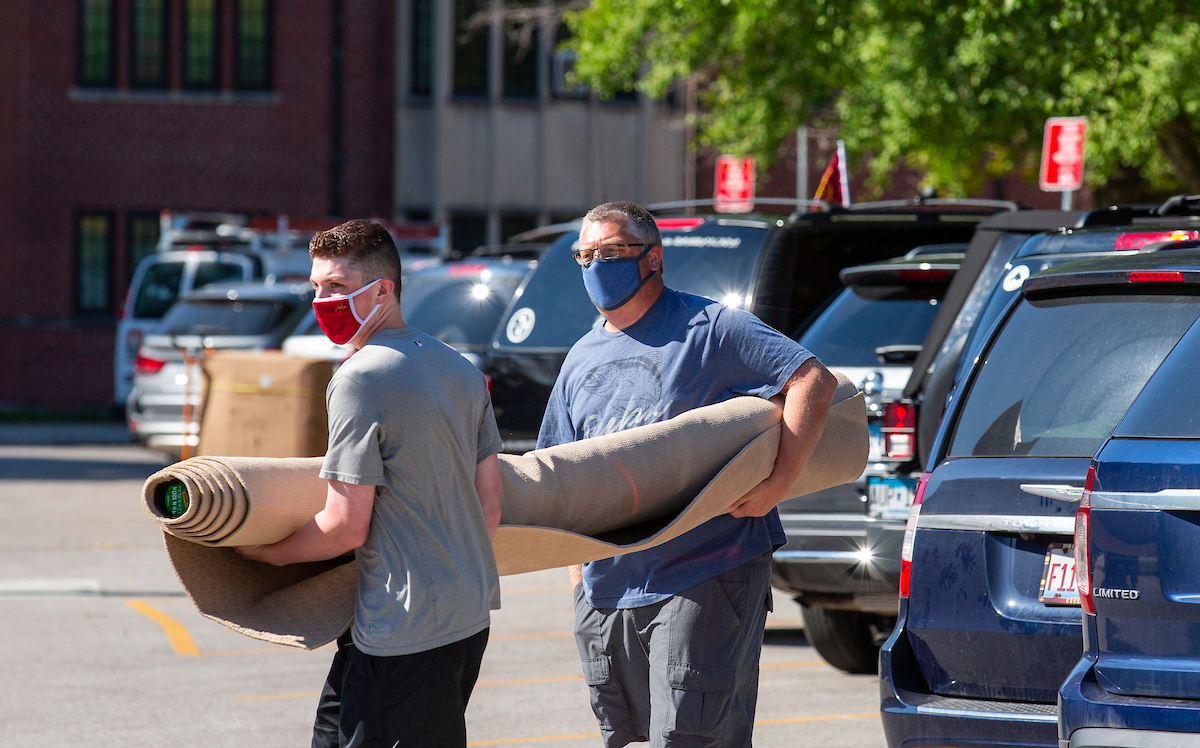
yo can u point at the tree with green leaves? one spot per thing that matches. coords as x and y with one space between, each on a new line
959 91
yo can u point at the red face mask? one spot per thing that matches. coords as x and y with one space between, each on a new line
338 318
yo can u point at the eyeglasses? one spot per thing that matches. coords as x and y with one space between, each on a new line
604 252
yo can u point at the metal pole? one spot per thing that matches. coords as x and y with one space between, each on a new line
689 135
802 163
1066 199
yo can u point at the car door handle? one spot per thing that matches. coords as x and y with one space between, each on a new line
1060 491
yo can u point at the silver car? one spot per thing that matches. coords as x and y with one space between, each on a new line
247 316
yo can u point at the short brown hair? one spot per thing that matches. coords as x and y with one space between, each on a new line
367 245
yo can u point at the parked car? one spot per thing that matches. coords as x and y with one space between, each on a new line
779 268
157 284
842 558
988 630
218 316
1136 535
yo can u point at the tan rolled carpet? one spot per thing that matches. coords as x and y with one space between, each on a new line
564 505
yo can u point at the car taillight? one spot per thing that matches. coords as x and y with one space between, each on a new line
144 365
487 380
910 535
679 223
899 430
1141 239
1083 572
1156 276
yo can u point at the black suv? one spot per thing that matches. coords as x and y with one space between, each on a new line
780 268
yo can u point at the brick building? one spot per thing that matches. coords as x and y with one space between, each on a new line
113 110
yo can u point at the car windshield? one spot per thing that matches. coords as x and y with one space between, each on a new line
853 326
1062 372
158 290
459 311
554 310
222 317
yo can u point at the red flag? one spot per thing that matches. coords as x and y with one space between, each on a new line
835 182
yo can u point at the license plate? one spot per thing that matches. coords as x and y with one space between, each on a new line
890 498
875 432
1058 577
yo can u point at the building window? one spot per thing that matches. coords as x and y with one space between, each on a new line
562 68
422 48
467 231
143 239
148 44
472 47
253 46
200 34
96 43
522 37
94 237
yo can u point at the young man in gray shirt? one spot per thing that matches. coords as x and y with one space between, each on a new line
414 491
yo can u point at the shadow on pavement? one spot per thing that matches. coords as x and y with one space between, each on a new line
47 469
785 637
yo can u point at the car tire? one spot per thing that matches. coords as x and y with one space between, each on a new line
844 638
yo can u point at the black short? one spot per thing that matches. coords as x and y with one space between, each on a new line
412 700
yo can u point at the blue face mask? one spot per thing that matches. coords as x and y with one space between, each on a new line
612 283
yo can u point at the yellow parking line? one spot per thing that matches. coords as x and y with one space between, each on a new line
180 639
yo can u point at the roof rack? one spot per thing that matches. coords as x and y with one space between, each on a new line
1178 205
919 201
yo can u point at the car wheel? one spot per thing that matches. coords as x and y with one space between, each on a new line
847 639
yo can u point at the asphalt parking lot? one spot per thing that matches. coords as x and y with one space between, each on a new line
99 646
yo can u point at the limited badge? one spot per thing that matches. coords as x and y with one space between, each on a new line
520 325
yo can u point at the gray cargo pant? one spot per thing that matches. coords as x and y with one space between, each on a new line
683 671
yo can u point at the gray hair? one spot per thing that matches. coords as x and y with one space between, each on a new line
634 217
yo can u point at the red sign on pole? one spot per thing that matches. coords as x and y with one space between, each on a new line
1062 154
735 185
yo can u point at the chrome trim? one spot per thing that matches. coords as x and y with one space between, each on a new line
1060 491
998 523
826 532
819 557
830 517
942 711
1171 499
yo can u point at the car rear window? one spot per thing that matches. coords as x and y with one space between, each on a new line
1169 406
554 310
1061 373
852 327
221 317
458 311
158 290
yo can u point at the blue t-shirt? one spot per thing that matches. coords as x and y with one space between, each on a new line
686 351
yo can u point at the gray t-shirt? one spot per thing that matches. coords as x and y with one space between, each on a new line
412 416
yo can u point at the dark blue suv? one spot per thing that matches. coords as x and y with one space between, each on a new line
989 623
1136 538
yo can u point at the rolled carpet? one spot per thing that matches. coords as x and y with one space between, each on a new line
564 505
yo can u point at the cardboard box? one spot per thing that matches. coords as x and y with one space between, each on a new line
264 404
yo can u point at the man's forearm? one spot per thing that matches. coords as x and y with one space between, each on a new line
575 574
806 399
339 528
805 407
